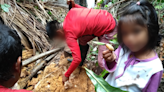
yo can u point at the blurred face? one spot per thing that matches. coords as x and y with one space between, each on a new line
60 35
134 36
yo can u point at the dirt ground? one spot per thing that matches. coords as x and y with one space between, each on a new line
50 79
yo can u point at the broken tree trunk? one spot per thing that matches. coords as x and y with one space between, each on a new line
34 58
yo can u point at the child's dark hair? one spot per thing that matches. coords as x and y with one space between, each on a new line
144 14
10 50
52 27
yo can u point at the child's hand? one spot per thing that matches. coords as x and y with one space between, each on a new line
109 56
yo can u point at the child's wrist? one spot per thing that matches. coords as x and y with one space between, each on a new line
109 62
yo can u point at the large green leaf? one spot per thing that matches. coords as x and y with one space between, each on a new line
160 1
5 7
103 73
98 43
100 84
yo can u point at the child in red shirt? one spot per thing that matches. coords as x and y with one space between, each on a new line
82 24
10 59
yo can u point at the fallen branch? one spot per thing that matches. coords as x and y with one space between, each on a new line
14 13
41 7
34 58
36 69
61 5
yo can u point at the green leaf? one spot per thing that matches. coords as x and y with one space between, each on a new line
96 8
106 6
114 41
89 55
5 7
101 1
91 46
103 73
93 57
98 43
160 1
118 17
100 84
97 64
115 36
89 59
36 7
112 1
158 7
95 53
49 12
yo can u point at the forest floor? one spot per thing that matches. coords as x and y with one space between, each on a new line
50 78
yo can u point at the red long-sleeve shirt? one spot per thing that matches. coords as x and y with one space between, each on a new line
81 21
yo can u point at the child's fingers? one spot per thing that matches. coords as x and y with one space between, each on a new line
114 56
109 59
107 55
105 52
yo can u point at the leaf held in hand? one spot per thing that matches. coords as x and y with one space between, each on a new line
98 43
114 41
100 84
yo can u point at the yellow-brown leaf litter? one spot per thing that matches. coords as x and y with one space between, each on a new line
50 79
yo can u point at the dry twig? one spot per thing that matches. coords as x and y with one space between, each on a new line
34 58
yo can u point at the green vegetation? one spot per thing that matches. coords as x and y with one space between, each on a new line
100 84
5 7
